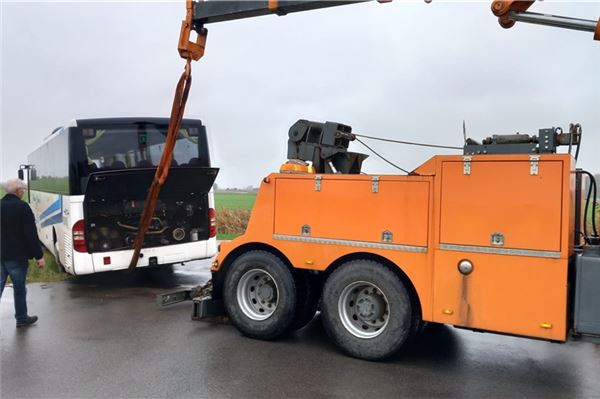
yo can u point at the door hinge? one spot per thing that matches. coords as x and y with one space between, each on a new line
374 184
534 167
318 183
466 166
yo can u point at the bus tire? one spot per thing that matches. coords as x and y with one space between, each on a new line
366 310
308 293
260 295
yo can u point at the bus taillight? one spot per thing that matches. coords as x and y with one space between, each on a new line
213 223
79 236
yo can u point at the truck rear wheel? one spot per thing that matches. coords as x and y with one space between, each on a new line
366 310
260 295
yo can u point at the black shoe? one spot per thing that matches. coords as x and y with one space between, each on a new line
27 322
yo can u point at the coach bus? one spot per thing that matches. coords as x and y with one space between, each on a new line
88 184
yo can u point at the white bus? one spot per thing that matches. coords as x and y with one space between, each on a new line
88 184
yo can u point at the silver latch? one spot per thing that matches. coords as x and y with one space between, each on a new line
534 166
497 239
466 166
374 184
305 230
318 183
387 236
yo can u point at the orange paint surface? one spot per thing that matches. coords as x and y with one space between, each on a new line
505 293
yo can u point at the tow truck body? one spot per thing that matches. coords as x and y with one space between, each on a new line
489 240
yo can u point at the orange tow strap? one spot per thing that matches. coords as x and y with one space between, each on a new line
162 171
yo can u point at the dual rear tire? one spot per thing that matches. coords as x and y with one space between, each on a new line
265 299
366 308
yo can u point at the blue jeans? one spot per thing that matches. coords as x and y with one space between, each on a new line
17 270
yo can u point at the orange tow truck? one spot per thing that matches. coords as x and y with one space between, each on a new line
494 239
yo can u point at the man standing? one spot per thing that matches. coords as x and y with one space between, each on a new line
18 243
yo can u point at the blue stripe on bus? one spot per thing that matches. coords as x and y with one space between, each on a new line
56 205
53 220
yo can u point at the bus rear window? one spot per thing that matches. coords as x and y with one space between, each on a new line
139 146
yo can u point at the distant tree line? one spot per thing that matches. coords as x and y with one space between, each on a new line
249 189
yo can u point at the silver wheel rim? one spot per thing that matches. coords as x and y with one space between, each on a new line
364 310
257 294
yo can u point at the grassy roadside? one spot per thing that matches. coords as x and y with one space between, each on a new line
49 273
233 213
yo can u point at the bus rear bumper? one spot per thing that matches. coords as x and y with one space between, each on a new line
156 256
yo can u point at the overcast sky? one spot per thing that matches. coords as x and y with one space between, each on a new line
403 70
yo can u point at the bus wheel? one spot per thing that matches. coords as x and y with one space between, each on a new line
366 310
308 293
260 295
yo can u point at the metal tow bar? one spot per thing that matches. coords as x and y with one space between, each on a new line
204 306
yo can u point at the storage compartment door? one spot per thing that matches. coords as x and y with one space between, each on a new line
501 204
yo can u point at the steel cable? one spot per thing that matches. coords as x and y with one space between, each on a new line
409 142
381 156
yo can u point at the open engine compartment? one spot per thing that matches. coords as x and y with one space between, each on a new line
114 201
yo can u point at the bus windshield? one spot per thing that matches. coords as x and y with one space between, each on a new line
137 146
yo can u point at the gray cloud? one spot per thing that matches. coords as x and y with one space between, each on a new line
400 70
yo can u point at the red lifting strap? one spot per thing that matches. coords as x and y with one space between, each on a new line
181 95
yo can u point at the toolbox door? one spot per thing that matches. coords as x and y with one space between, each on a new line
502 204
504 218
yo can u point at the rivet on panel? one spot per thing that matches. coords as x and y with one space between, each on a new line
448 311
309 262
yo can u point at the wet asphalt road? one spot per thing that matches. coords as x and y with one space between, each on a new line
103 336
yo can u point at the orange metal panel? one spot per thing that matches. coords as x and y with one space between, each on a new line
523 295
510 294
502 197
349 209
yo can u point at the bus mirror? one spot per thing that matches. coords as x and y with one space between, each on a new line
88 133
20 174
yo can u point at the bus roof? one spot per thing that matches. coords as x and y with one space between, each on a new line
92 122
124 121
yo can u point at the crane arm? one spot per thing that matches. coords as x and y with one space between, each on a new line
511 11
206 12
202 12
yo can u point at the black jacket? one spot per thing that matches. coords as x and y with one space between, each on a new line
18 234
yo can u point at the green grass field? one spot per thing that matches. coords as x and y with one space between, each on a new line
234 200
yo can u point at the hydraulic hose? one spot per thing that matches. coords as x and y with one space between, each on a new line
587 205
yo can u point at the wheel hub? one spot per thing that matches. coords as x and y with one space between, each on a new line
363 309
265 292
369 306
257 294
